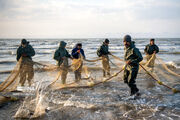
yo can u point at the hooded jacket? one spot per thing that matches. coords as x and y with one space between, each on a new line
103 50
133 55
61 52
28 51
75 54
151 48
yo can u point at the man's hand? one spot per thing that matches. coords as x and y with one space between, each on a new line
102 55
24 55
128 62
63 58
78 51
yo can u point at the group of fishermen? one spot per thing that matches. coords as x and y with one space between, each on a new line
132 58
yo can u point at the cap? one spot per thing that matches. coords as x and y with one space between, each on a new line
23 41
127 38
79 44
152 39
106 41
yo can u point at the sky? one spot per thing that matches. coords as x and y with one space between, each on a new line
89 18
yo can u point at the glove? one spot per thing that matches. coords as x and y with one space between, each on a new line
78 51
63 58
128 62
24 55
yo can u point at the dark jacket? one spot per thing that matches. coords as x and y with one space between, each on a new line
151 48
75 54
28 51
61 52
103 50
133 54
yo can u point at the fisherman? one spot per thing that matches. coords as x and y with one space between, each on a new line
132 58
150 50
61 55
103 52
25 52
77 53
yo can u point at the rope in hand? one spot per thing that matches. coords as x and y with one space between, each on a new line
159 82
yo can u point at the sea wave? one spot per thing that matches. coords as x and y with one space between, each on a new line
174 64
7 52
3 43
167 52
7 62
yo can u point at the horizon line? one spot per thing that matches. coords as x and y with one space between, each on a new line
89 38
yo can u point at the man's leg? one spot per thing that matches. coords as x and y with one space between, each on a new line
64 75
108 67
148 57
30 74
64 70
104 66
151 62
76 75
132 81
22 75
80 71
125 76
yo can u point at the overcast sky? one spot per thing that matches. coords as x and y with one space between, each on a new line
89 18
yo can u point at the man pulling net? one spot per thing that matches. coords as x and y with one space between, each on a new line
77 53
132 58
150 50
25 52
61 55
103 52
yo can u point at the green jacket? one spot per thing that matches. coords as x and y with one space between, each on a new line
61 52
151 48
134 55
103 50
28 50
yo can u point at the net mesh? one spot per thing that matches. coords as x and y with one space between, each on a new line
14 79
37 104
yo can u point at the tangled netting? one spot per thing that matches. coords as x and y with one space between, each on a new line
24 64
157 70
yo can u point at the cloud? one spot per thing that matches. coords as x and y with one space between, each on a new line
69 18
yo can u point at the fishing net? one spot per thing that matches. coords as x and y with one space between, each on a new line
22 72
25 65
12 81
38 105
155 70
47 79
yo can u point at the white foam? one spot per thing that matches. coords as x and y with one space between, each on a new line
171 63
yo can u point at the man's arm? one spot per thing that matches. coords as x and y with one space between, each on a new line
139 56
68 55
83 54
157 49
18 54
32 52
74 52
145 50
57 55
